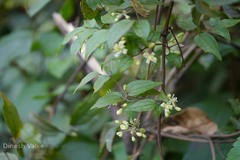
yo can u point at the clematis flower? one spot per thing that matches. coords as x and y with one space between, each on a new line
150 57
119 48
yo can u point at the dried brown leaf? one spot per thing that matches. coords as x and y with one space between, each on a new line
189 120
138 7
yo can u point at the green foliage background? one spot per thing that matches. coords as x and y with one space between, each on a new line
35 67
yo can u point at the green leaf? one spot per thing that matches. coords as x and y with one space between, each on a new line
125 63
108 18
20 149
91 24
77 44
13 45
174 59
163 97
186 24
44 126
110 98
111 2
34 6
229 22
220 2
214 21
53 38
151 2
95 41
11 117
88 12
71 34
142 105
8 156
208 43
100 82
92 3
140 86
86 79
234 153
107 136
57 67
118 30
142 29
222 31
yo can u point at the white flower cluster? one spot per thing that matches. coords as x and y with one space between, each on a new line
168 106
120 15
119 48
133 127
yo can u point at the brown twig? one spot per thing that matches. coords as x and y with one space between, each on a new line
226 138
164 44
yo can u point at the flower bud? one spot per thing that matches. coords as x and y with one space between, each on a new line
139 134
119 111
151 45
124 87
127 16
123 127
118 122
144 135
142 130
119 134
178 109
133 139
124 105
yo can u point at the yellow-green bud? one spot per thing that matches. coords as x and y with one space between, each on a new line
124 105
138 134
178 109
125 122
123 127
142 130
151 45
144 135
118 122
119 134
119 111
169 95
133 139
124 87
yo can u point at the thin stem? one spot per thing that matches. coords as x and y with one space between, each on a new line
148 71
164 44
170 28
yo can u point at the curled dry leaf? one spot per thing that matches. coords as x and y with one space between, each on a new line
189 120
138 7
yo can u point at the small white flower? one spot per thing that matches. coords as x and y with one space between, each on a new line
168 106
150 57
119 48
